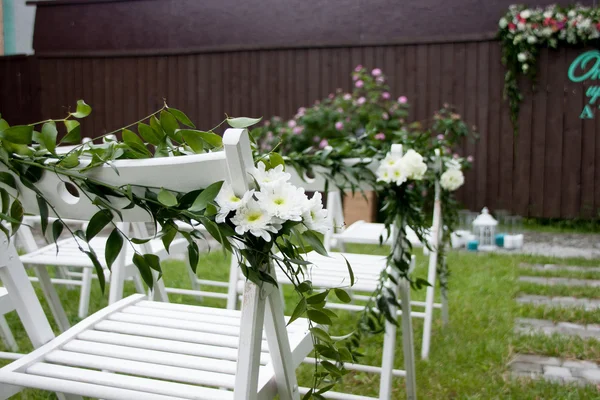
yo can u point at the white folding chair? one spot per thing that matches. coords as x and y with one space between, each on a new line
136 349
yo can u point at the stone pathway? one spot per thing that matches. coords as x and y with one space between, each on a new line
540 280
553 267
555 369
586 304
529 326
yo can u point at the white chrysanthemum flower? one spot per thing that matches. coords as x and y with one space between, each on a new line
271 177
548 14
522 57
531 39
525 67
452 179
315 217
521 26
525 14
283 201
503 23
390 160
383 173
452 164
412 165
571 13
398 174
256 220
228 201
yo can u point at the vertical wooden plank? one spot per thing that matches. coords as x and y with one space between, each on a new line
553 183
201 99
326 64
162 82
410 79
458 100
420 98
572 138
130 99
152 89
313 69
483 113
399 71
389 68
346 68
588 150
357 57
255 76
141 71
434 79
447 71
471 100
538 139
494 128
170 78
522 154
120 96
98 96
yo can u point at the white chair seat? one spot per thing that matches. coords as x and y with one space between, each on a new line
70 255
369 233
139 349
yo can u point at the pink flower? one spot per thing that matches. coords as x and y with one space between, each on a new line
316 139
291 123
470 159
361 100
298 130
358 68
402 100
324 143
455 155
276 119
440 137
411 186
331 95
385 116
380 136
339 125
386 95
380 79
359 84
376 72
355 77
347 96
340 110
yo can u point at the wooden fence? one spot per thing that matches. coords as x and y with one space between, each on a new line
548 170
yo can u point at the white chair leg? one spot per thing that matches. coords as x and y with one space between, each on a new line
84 294
58 312
388 356
7 336
193 279
407 341
232 291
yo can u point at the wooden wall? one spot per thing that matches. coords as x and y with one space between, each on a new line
548 170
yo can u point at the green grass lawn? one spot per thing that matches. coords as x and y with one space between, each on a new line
468 357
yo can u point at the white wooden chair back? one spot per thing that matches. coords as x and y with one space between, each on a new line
181 174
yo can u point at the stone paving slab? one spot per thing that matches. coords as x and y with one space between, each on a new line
586 304
530 326
554 267
554 369
540 280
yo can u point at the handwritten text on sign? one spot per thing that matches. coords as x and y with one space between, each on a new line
587 66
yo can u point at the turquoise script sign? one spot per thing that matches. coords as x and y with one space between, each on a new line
583 68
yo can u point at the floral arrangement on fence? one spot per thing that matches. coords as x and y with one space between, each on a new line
273 217
523 31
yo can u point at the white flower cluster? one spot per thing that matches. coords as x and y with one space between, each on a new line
264 211
453 177
529 28
399 169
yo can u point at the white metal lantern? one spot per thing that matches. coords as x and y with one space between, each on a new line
484 228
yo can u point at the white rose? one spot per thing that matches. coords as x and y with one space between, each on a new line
522 57
560 16
503 23
571 13
452 179
548 14
521 26
547 32
413 165
525 14
531 39
525 67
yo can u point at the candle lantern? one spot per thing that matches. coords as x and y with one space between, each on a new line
484 228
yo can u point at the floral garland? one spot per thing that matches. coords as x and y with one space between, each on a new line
273 224
523 31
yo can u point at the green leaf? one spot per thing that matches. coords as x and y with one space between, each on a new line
319 317
317 298
321 335
342 295
242 122
8 179
181 117
298 311
99 270
198 140
168 123
73 132
167 198
70 161
3 125
57 228
149 134
48 136
83 110
16 213
134 142
193 255
350 272
43 206
114 245
315 242
18 134
97 223
154 262
304 286
145 271
206 197
169 232
333 370
275 160
5 198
